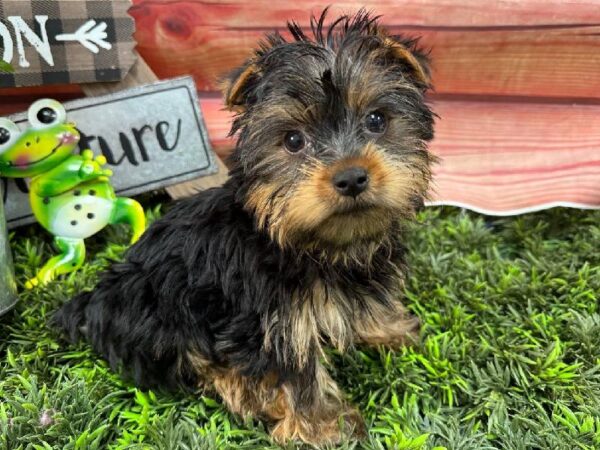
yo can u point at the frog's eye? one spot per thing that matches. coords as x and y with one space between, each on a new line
46 113
9 133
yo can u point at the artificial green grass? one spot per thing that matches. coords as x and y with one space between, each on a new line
509 359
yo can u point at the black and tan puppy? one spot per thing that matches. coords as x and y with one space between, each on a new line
240 287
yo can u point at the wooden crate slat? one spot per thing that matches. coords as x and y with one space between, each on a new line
513 157
455 13
56 89
519 56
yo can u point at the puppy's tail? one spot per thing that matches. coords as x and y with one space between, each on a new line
70 318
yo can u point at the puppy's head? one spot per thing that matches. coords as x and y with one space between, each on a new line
332 132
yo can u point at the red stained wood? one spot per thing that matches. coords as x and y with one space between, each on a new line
535 141
509 157
498 157
512 48
218 123
455 13
56 89
18 99
18 104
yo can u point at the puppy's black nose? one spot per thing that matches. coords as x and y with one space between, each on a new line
351 181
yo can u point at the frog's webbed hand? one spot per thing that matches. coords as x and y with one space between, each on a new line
91 168
69 174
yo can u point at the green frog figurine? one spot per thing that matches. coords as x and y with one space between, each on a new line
70 195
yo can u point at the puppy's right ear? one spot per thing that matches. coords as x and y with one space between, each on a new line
237 85
405 52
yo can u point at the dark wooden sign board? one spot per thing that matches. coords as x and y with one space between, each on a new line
67 41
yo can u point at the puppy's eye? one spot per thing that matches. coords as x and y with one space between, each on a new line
294 141
375 122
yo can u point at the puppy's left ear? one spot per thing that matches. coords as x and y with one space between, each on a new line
237 85
414 60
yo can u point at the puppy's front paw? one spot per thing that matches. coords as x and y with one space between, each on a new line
318 430
353 425
412 325
395 332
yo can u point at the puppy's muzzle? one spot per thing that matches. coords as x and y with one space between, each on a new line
351 182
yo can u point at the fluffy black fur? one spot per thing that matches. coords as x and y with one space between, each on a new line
202 278
211 279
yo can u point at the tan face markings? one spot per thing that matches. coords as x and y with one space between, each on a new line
314 207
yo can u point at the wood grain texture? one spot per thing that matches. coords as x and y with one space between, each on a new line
455 13
498 157
218 123
56 89
13 100
507 158
517 85
528 48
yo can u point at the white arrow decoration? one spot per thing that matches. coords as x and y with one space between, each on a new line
89 35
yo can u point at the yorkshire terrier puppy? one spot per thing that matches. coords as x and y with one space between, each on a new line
240 287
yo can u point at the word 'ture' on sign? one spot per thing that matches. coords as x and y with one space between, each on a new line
152 136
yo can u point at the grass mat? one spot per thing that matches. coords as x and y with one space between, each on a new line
509 359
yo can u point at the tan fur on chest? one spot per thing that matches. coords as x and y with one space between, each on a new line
314 317
325 315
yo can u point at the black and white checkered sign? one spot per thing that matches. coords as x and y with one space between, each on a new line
65 41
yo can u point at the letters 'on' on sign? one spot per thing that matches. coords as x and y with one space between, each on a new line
67 41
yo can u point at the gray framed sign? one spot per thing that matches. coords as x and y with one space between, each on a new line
153 136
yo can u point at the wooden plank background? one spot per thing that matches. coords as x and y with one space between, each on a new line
547 48
517 85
